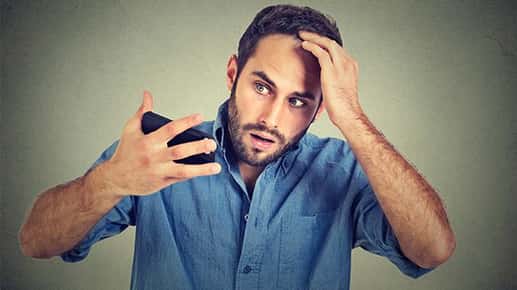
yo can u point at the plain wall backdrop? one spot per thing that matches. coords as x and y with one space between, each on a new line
438 78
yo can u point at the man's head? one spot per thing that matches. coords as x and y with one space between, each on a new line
275 84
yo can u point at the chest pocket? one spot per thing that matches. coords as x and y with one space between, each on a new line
302 237
309 224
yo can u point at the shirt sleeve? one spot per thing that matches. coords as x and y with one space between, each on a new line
114 222
373 233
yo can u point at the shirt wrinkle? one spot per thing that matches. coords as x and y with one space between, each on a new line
310 208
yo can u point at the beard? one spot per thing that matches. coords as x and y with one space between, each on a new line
249 155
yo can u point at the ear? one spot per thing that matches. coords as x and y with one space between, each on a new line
231 71
321 109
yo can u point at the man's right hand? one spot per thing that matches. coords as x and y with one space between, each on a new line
143 164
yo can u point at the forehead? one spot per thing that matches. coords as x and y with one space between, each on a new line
283 59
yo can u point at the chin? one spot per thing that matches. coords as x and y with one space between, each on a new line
256 157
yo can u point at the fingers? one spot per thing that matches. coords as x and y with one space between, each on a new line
174 128
328 52
146 105
322 55
330 45
180 171
134 123
185 150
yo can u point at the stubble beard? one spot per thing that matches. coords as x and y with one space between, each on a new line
247 155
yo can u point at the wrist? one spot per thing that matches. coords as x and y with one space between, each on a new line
100 181
350 121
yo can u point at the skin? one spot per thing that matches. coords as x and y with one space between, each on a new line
61 216
277 94
141 165
412 207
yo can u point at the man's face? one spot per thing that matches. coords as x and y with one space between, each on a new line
275 99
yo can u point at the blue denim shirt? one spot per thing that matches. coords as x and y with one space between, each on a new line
309 209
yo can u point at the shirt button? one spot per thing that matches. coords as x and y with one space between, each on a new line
246 269
246 217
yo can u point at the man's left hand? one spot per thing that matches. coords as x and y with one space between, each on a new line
339 75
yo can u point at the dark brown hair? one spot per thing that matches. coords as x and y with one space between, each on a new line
284 19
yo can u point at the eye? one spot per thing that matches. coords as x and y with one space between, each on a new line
261 89
297 103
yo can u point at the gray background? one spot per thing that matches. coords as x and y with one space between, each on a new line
439 78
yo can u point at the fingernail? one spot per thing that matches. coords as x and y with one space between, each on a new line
212 145
216 168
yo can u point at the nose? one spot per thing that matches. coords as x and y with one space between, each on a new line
271 114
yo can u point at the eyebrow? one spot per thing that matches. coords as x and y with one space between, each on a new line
264 77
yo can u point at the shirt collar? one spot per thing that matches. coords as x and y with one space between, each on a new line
219 131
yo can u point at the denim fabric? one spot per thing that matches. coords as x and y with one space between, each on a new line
308 210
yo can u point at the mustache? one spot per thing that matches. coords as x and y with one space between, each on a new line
264 128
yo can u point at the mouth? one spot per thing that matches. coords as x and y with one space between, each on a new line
262 137
261 142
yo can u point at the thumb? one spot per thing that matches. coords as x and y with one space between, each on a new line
147 105
133 123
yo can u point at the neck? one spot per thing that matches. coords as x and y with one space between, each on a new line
249 175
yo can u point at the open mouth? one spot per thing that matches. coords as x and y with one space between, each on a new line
261 138
261 143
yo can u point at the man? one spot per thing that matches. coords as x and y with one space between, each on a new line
280 208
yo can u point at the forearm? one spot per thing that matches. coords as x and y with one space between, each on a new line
411 205
61 216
